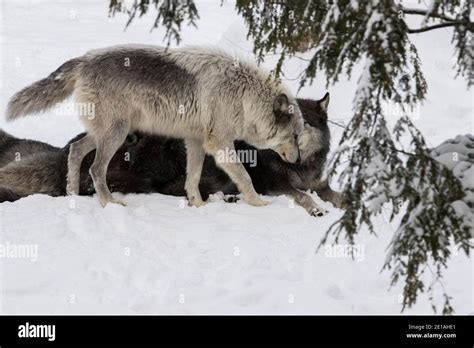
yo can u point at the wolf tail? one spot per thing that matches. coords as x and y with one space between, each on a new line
45 93
9 195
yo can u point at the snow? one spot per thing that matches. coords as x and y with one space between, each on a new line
157 255
458 155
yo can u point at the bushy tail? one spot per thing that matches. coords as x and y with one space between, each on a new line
44 93
9 195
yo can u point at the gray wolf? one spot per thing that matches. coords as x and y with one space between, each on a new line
158 164
201 95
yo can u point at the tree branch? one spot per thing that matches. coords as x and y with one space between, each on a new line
426 14
450 21
437 26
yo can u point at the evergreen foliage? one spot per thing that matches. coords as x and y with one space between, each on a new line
375 170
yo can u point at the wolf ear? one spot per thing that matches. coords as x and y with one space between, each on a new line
280 104
324 102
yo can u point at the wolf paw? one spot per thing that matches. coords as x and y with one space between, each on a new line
231 199
103 203
256 202
196 202
318 212
337 200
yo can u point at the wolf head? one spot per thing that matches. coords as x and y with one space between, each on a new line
315 137
280 127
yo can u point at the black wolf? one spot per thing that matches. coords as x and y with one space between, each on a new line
148 163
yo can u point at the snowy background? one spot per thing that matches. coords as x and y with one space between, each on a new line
159 256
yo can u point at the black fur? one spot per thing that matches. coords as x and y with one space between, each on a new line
148 163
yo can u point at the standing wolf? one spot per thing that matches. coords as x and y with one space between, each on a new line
148 163
199 94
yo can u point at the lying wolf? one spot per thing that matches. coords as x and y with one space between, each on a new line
202 95
150 163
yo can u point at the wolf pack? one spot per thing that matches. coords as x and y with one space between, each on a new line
162 120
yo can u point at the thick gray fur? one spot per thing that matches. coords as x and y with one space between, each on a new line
200 94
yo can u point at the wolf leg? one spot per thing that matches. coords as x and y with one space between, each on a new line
194 162
305 201
107 144
77 152
326 193
283 187
235 170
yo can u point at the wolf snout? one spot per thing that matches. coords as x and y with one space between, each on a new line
298 160
288 152
290 156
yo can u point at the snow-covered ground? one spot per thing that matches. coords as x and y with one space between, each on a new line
157 255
